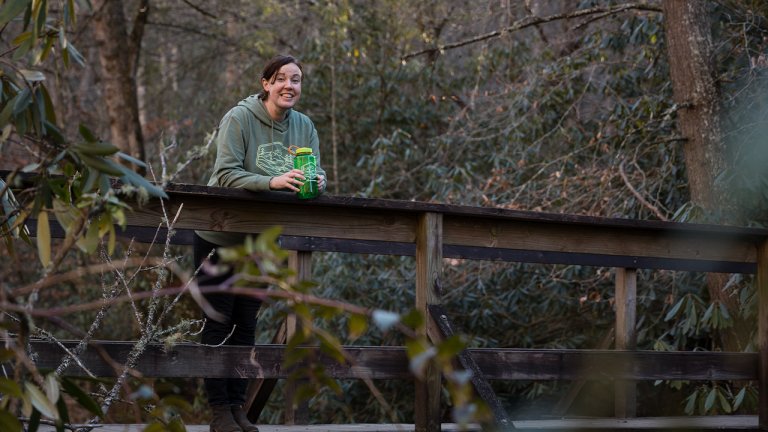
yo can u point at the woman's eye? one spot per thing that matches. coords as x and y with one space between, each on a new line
295 82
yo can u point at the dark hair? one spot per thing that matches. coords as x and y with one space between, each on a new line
273 66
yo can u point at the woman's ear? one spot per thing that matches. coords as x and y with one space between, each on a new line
265 85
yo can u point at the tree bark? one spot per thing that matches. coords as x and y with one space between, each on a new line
118 57
694 84
689 45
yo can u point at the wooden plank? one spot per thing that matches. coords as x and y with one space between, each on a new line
386 247
481 385
263 361
296 412
260 389
625 396
429 268
596 259
690 423
216 214
594 239
762 334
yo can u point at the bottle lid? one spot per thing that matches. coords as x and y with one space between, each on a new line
303 151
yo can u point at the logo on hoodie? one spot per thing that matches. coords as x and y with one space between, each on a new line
274 158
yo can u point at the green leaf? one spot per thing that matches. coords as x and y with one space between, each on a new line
32 75
9 422
52 388
690 407
710 401
357 325
73 53
40 401
86 133
176 425
724 404
22 102
672 312
11 9
451 347
43 238
155 427
739 399
10 387
131 159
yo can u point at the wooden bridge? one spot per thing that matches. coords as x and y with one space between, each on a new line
430 232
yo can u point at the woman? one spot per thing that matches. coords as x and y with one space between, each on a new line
252 152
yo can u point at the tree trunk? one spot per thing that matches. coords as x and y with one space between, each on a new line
689 46
118 56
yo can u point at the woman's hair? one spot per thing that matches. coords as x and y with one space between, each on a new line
274 65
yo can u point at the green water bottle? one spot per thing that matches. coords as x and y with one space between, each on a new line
305 161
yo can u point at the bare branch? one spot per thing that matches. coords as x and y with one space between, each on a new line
640 197
530 21
199 9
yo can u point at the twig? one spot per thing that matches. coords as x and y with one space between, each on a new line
637 194
535 20
199 9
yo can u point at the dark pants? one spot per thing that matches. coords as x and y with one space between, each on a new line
240 313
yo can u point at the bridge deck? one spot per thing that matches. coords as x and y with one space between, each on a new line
721 423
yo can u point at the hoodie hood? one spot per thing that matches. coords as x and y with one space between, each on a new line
255 105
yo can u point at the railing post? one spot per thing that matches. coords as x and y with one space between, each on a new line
762 331
429 267
625 397
301 263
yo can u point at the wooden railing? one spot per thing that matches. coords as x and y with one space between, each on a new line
430 232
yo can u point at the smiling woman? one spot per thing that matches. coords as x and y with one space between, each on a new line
252 152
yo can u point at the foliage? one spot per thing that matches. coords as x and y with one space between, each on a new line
570 116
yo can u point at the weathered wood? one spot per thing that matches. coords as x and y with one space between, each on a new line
593 239
214 214
264 361
260 389
296 412
689 423
625 401
762 333
429 268
481 385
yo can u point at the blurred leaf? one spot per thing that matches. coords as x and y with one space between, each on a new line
131 159
86 133
9 422
10 387
710 401
40 401
155 427
357 325
11 9
739 399
418 363
384 320
43 238
82 398
32 75
52 388
690 406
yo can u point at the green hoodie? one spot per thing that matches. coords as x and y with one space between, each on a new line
251 148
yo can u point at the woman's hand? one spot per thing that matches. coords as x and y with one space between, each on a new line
321 183
291 180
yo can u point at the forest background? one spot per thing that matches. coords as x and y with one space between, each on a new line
642 110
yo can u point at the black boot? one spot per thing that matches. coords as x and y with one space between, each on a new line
222 420
242 419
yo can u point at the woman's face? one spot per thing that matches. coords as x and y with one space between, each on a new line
284 89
